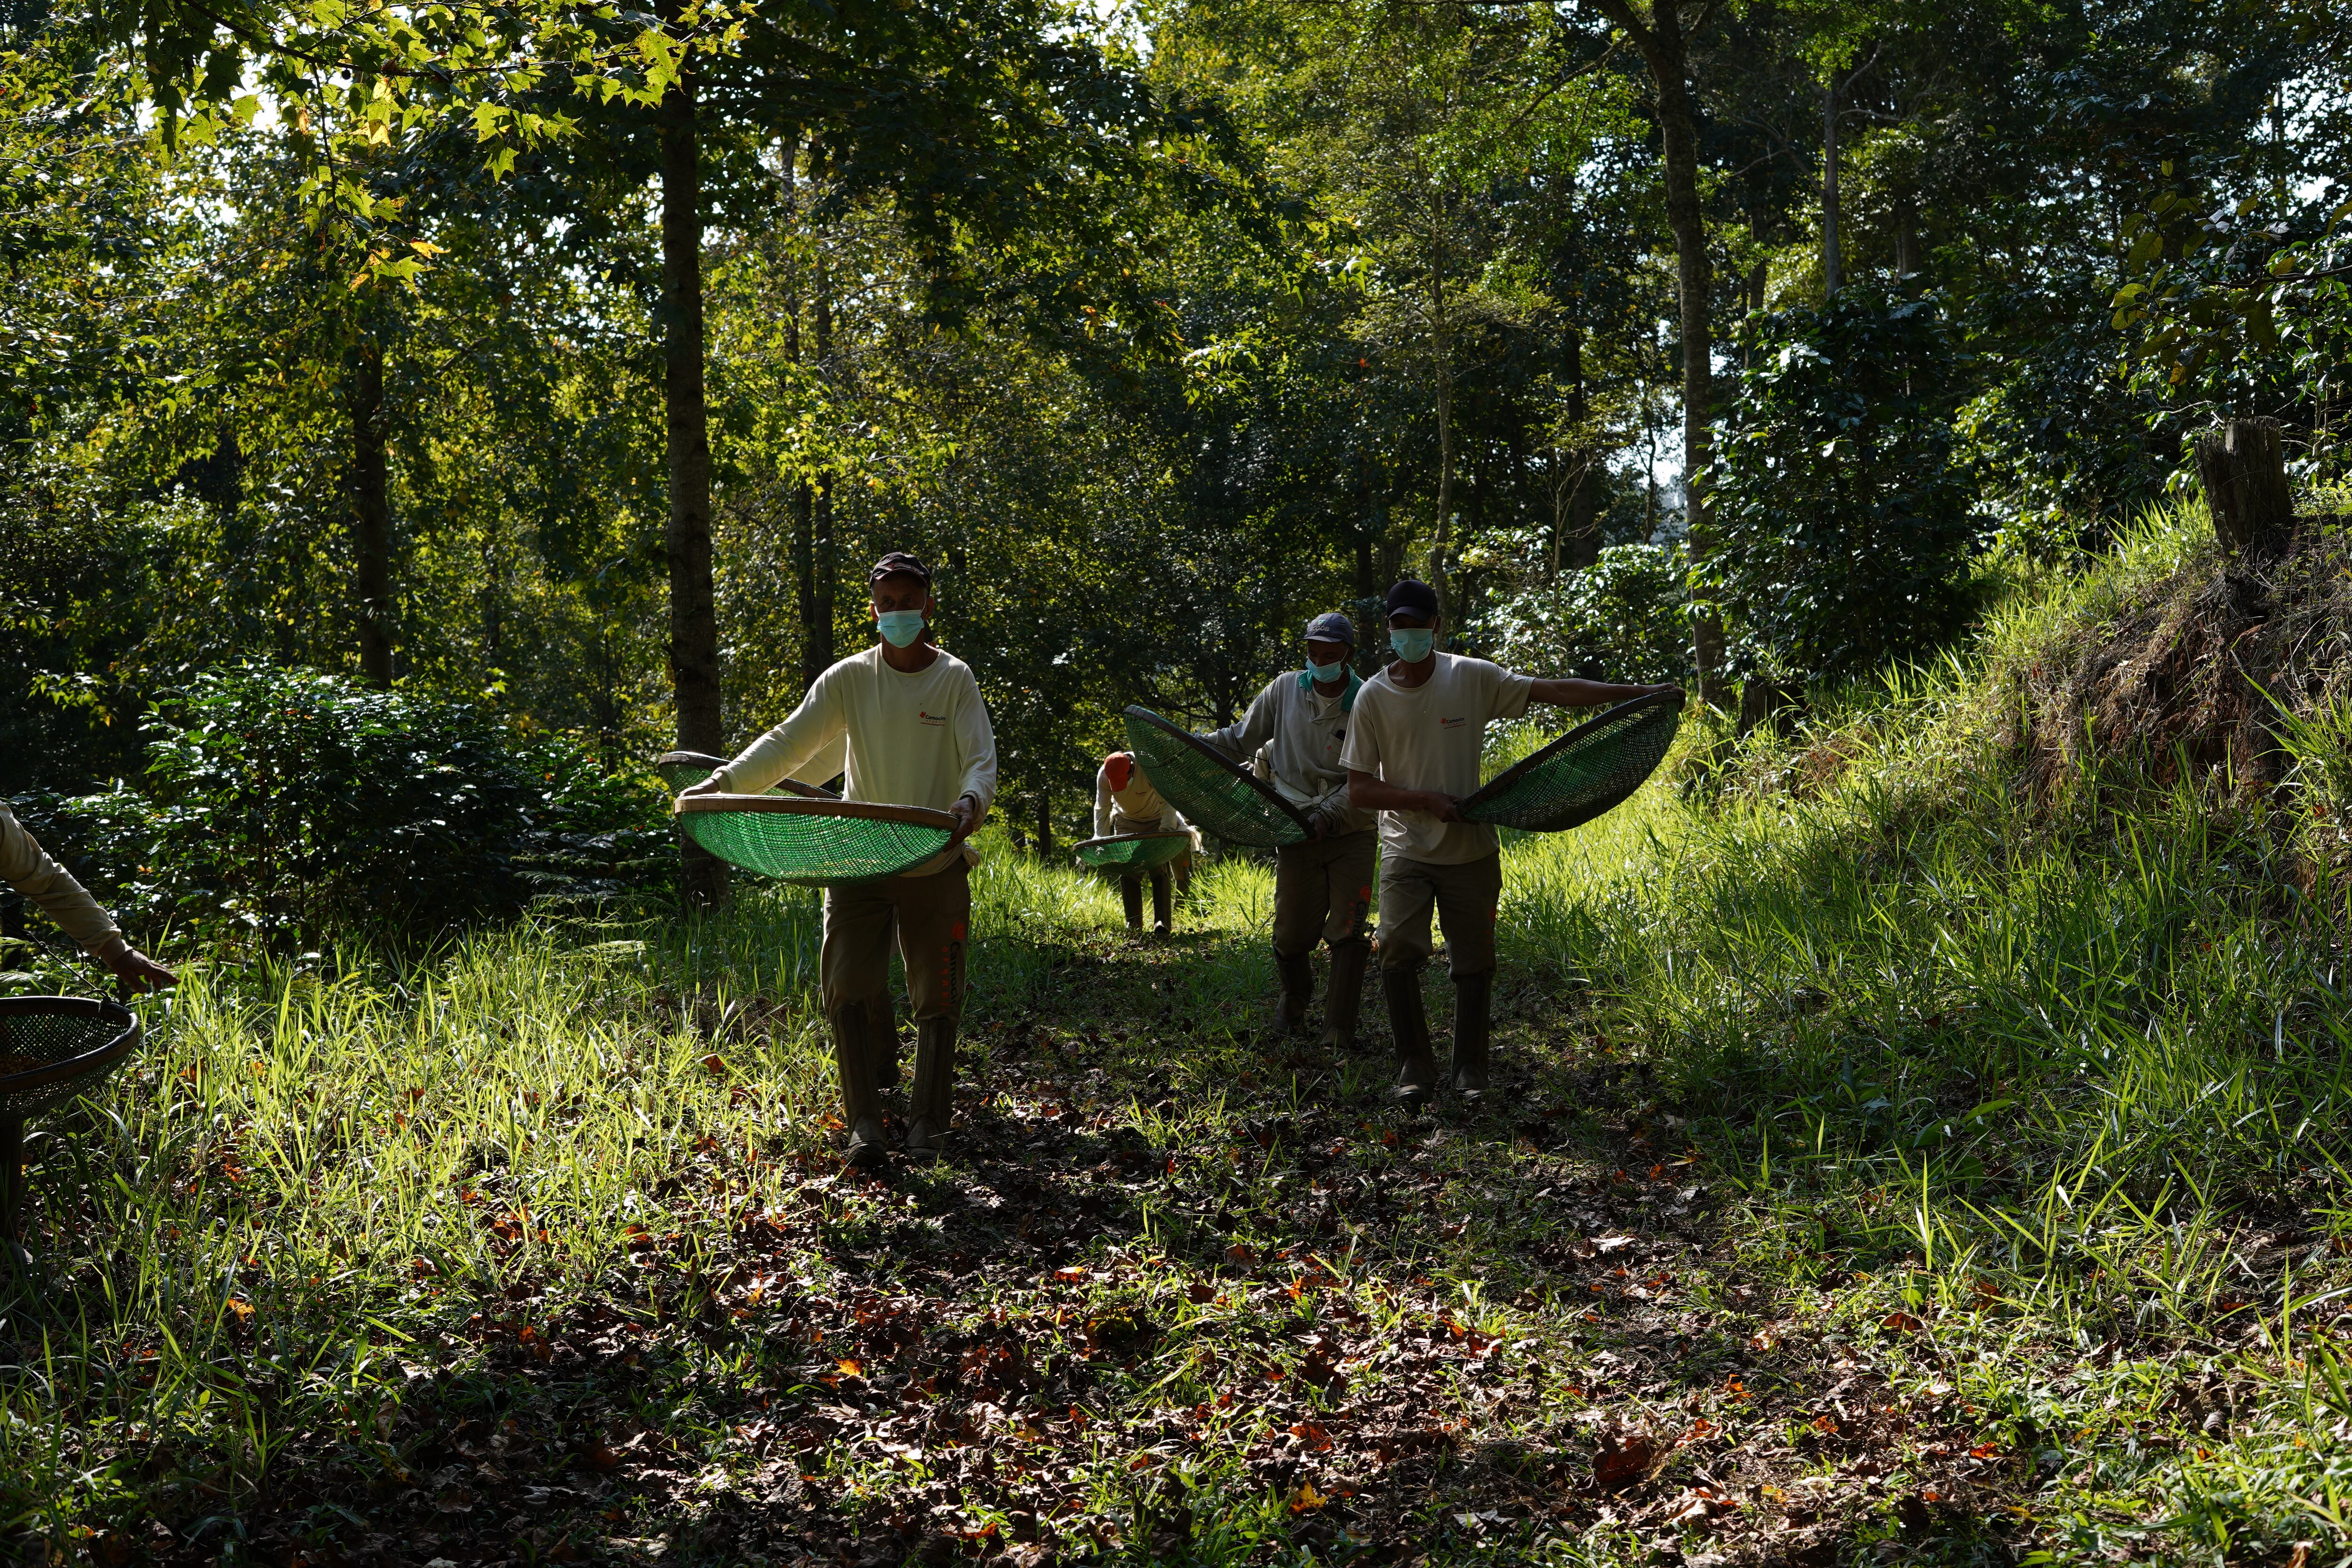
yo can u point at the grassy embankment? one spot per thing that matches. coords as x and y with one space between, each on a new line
1891 1162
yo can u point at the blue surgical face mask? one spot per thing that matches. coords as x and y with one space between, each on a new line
1411 643
1325 674
899 628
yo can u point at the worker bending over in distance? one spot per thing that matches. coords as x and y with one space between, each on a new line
917 734
1413 754
1126 802
1297 727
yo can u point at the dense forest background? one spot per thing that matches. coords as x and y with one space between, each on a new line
339 345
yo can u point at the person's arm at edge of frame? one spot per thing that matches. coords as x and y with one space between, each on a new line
28 868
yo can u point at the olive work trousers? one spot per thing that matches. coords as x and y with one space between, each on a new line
1464 898
1323 891
931 916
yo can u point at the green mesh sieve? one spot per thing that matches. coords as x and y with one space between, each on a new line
55 1048
1132 851
1584 773
1214 794
679 769
816 843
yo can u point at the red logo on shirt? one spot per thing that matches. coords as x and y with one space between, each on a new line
1452 723
936 720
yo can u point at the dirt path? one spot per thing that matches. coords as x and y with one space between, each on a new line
1188 1294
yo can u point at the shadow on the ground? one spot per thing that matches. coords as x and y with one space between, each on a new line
1184 1292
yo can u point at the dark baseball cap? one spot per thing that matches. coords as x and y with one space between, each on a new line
898 564
1331 627
1413 597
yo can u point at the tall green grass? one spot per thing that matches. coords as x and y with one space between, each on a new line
2062 1082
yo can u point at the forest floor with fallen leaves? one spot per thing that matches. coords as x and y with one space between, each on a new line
1187 1291
1856 1188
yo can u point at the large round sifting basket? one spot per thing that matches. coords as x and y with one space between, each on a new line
55 1048
51 1049
1592 768
1214 794
681 770
1132 851
824 843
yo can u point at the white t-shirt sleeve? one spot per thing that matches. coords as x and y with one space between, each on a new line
816 730
1507 691
1361 753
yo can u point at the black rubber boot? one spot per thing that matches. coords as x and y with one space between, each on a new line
861 1104
1130 894
882 1045
1474 997
1344 1000
1297 976
1163 913
1416 1069
931 1104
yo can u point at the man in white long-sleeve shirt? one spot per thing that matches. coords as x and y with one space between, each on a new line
1125 801
917 734
26 866
1323 888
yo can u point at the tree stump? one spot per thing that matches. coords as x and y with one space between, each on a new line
2242 464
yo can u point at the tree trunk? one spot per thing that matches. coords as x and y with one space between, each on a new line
1666 53
2243 466
823 569
372 514
1908 262
1758 277
1583 523
693 611
1439 540
1045 819
1832 261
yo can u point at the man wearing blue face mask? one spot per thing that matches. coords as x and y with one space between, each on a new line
1413 754
917 734
1323 888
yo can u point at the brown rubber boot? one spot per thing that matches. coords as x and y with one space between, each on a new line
1474 997
1130 894
1416 1069
1163 913
1297 973
1345 999
931 1104
861 1105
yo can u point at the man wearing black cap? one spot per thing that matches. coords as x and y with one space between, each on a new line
917 734
1413 754
1322 889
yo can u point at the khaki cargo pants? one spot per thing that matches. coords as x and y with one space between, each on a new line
931 916
1323 891
1464 898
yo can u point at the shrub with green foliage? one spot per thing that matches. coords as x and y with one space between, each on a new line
1625 617
1842 519
288 800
